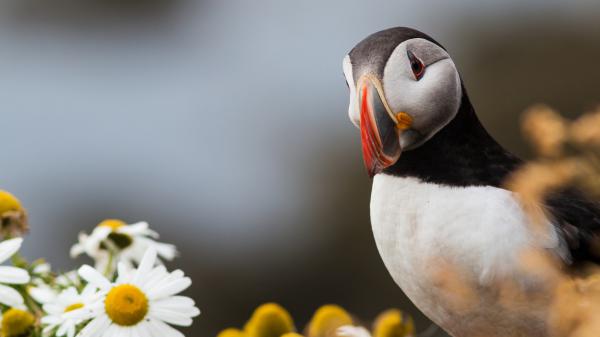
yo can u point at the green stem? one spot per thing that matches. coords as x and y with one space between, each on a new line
19 261
108 271
31 304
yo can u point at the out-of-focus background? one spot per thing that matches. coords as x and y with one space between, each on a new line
223 124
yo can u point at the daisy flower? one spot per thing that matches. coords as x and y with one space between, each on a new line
11 275
60 311
127 242
141 302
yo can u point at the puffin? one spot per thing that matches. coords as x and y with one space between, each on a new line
452 237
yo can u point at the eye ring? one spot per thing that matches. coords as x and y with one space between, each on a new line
417 66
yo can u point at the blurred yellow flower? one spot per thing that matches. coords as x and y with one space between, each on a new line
326 320
231 332
269 320
16 322
13 217
272 320
567 156
113 224
391 323
546 130
9 202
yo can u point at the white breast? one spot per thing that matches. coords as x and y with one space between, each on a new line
481 230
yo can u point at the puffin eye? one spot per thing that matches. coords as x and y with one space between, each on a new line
417 66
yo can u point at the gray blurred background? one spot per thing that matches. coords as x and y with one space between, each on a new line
223 124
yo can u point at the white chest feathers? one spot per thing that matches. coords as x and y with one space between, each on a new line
435 238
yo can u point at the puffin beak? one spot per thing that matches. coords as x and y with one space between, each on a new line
380 129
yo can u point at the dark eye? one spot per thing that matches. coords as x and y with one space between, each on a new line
417 66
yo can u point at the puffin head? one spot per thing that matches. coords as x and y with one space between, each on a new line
404 88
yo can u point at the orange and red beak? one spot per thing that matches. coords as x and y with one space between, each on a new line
379 129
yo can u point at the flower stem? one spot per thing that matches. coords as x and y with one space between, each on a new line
108 271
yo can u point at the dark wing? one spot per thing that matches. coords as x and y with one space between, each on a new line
578 218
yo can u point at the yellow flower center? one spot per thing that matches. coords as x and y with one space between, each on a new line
126 305
327 319
8 202
16 322
119 239
113 224
269 320
391 323
74 306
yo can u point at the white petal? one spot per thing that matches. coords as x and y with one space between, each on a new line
170 289
71 332
91 244
145 330
10 296
100 233
8 248
53 308
173 317
148 262
51 320
352 331
152 234
138 228
96 327
76 250
68 278
136 331
68 296
162 329
166 251
124 273
42 268
94 277
102 259
42 294
62 330
156 277
89 291
114 331
47 329
184 311
13 275
175 302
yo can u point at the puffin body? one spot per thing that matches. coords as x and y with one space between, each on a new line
423 228
449 234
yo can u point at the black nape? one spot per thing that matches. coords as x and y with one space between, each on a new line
460 154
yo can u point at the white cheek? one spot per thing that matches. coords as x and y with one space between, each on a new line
353 113
438 97
402 92
432 101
